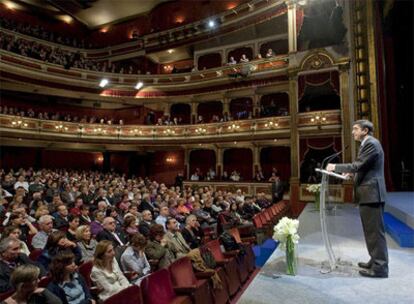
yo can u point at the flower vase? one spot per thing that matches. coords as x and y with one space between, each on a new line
290 256
317 200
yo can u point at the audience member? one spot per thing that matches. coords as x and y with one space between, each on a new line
106 273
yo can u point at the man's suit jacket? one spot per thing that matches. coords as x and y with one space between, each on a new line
144 228
6 271
60 223
106 235
177 244
368 169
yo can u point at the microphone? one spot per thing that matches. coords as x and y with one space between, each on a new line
330 157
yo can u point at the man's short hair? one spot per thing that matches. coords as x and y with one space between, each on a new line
6 243
45 218
365 124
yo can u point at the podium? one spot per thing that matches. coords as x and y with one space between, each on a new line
333 263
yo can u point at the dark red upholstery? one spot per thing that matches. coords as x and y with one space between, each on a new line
229 264
5 295
250 258
35 254
157 289
185 281
85 270
44 282
130 295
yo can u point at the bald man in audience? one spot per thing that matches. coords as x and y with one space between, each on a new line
109 233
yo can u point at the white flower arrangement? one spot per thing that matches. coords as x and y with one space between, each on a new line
285 228
314 188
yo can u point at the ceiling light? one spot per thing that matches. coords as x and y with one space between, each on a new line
139 85
103 83
10 5
170 51
211 24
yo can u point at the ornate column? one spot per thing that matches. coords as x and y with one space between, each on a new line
187 163
256 105
193 117
226 105
291 4
167 109
347 118
219 162
256 159
294 145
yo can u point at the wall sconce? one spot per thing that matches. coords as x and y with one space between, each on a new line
233 127
201 131
168 68
61 128
169 132
19 123
318 119
170 160
271 124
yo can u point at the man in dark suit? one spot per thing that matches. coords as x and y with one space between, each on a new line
370 194
146 223
109 233
11 258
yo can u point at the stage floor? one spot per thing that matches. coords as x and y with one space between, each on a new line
271 285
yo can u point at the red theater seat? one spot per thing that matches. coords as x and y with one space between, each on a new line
157 289
229 264
130 295
185 281
85 270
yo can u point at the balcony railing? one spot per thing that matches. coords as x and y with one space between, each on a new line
265 128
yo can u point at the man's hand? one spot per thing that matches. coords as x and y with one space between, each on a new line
330 167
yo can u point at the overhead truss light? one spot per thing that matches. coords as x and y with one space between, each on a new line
103 83
139 85
211 24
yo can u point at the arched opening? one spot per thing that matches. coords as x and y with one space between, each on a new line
275 104
209 109
202 160
241 108
240 160
182 112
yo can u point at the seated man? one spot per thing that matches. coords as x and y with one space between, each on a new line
109 233
145 224
10 258
61 218
45 228
162 218
176 243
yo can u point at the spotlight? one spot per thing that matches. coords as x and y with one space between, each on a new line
139 85
170 51
211 23
103 83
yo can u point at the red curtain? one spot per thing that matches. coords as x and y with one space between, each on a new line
318 79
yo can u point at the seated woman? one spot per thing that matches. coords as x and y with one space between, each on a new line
86 243
134 260
182 208
130 226
106 272
14 232
56 243
67 284
24 280
157 247
73 221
